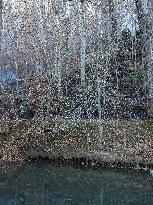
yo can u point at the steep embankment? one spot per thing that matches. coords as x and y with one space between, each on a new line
111 141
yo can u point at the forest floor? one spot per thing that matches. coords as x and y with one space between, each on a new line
110 141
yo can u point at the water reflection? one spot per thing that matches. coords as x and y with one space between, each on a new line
46 184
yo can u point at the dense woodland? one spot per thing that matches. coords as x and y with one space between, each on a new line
81 58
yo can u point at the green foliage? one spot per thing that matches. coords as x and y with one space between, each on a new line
126 34
133 81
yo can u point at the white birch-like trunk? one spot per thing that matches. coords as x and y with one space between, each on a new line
83 43
57 68
57 59
99 97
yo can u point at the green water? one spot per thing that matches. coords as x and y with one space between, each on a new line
52 184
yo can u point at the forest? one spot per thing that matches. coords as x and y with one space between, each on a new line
76 58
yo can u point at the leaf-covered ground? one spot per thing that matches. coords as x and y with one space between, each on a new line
108 141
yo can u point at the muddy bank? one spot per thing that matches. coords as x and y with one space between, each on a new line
109 142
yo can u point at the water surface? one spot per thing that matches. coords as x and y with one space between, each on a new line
52 184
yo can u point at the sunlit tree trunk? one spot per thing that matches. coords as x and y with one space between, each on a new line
83 42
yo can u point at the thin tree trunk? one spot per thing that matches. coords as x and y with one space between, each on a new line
1 21
145 27
83 43
113 20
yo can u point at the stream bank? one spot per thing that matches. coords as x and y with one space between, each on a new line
112 142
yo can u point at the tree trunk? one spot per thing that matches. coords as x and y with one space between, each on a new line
145 27
113 20
1 21
83 43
